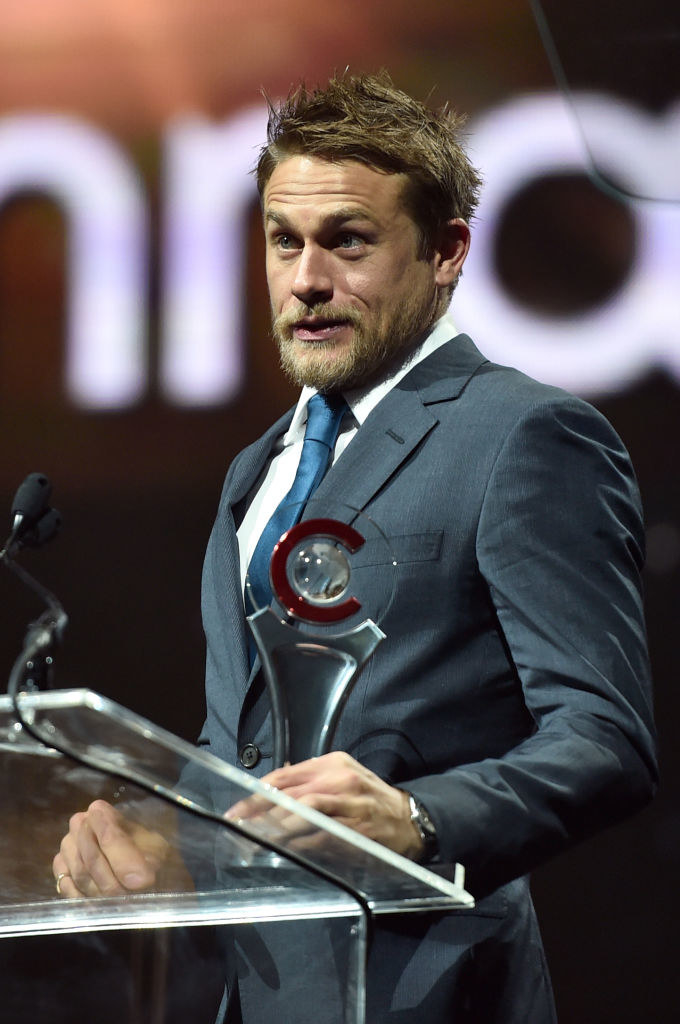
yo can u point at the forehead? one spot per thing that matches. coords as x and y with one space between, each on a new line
309 183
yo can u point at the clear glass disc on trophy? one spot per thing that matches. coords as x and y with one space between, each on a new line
332 570
318 570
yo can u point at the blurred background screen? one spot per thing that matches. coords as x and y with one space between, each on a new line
136 360
629 49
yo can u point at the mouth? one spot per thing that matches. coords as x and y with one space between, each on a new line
316 328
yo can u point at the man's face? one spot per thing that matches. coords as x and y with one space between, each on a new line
349 291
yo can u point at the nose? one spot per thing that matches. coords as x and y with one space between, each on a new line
313 281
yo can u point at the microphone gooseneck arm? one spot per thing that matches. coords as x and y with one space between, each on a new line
33 524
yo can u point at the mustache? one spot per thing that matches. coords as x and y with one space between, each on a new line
325 311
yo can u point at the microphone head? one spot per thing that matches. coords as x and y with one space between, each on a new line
31 499
28 507
45 529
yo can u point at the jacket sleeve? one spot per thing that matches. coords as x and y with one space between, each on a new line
560 546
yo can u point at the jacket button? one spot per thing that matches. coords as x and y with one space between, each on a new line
249 755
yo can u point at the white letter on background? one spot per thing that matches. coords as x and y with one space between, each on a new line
604 349
87 174
208 191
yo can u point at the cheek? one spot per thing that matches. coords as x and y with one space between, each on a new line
277 291
415 285
365 290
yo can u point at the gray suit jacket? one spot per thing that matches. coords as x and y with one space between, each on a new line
512 692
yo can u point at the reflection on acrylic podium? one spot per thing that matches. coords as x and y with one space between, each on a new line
285 899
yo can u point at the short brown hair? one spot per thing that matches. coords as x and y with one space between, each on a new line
366 118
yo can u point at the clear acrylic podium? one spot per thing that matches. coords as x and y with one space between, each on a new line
284 898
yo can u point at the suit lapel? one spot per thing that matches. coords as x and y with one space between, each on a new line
242 476
390 435
400 422
252 460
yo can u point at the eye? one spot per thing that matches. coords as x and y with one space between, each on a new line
348 241
285 242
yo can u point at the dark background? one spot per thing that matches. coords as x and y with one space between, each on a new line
138 488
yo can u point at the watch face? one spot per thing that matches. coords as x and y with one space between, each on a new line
424 824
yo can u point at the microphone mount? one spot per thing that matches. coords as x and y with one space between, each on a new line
34 523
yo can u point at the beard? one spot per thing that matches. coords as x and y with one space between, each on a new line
384 346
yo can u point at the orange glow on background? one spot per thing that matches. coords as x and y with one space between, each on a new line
138 488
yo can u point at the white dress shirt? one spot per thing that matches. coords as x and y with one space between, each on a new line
278 475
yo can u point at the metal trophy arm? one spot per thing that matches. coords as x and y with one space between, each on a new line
308 680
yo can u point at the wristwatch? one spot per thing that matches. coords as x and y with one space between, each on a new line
424 826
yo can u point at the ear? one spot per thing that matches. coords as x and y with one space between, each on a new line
452 248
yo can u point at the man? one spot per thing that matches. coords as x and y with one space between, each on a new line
511 696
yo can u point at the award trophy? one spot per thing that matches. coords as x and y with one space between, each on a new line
317 635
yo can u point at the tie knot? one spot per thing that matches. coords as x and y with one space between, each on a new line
324 414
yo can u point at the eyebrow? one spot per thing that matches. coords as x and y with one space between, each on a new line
335 219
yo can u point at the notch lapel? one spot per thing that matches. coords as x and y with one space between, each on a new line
400 422
249 464
390 435
224 556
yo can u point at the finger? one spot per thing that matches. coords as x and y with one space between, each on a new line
303 771
340 806
65 886
251 807
320 774
336 772
361 813
279 822
335 782
86 861
257 806
94 875
68 890
71 850
122 861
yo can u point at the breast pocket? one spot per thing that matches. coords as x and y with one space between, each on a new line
403 548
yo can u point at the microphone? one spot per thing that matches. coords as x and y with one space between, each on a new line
33 522
45 529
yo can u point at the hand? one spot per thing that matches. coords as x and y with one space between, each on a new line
340 787
105 854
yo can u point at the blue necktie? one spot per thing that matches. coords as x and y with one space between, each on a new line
324 413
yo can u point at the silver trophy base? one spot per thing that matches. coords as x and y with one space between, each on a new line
309 679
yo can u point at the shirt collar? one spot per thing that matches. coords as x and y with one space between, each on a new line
363 401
